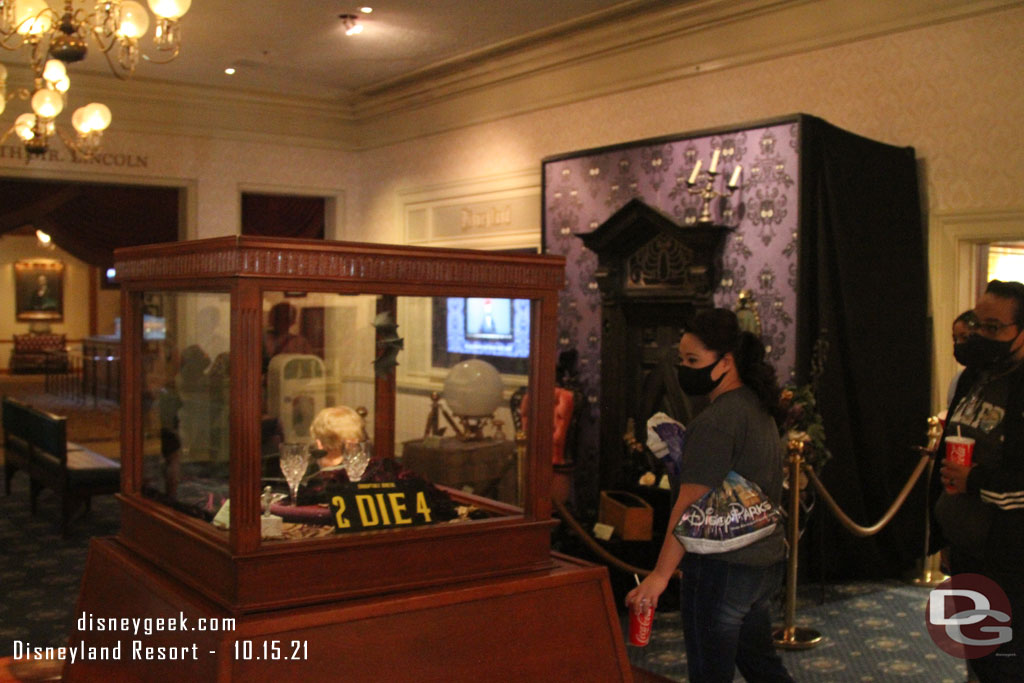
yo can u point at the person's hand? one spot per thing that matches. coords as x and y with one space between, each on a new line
954 477
647 593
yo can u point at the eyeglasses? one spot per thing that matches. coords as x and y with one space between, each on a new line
989 329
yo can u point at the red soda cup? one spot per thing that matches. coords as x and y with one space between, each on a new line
640 623
959 451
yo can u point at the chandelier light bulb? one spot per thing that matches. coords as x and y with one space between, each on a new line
62 85
79 121
134 20
23 126
169 9
97 116
54 71
3 75
33 17
47 104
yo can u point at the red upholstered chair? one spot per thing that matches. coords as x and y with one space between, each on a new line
561 485
563 421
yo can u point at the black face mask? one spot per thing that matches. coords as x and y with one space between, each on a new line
697 381
982 352
962 353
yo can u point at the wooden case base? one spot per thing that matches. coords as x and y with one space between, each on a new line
556 624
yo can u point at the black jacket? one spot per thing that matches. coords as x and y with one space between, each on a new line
1001 486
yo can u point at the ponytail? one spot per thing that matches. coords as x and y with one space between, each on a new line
756 372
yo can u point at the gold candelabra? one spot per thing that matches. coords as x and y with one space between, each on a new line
703 185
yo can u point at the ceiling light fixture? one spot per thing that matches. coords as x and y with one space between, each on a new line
47 99
56 39
351 24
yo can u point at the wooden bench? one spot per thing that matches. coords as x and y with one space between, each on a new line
36 443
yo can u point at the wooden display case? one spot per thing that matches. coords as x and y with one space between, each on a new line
475 595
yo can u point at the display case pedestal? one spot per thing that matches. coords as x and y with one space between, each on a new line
433 584
556 624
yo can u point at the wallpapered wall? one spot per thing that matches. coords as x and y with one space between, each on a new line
581 192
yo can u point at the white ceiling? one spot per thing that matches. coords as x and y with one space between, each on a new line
298 47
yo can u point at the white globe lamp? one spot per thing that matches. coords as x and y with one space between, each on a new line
473 391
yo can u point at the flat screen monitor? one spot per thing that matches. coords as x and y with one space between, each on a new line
493 329
489 320
488 326
154 328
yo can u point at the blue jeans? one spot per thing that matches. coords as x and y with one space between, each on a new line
727 620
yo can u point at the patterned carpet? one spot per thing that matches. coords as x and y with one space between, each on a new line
873 632
40 572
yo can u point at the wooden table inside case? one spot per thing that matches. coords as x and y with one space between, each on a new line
485 468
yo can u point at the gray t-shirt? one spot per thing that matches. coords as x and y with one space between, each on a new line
735 433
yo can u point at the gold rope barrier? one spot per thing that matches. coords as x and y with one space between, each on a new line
790 636
852 526
578 529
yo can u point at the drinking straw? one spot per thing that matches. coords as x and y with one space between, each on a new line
958 431
637 579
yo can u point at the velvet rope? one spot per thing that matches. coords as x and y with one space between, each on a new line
578 529
853 527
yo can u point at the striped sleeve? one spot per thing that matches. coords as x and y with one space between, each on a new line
1006 500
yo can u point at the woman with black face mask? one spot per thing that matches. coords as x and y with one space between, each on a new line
725 596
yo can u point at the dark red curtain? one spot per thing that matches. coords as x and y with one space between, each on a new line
271 215
90 220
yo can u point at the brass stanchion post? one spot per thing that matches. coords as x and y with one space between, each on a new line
929 575
791 636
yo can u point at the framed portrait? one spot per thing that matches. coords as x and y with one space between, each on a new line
39 290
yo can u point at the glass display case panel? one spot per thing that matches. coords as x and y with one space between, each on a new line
186 383
324 358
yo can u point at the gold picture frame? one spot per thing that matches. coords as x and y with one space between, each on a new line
39 290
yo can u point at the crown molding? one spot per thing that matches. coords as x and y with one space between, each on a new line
637 45
148 107
671 43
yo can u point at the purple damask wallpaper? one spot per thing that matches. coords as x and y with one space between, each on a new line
582 191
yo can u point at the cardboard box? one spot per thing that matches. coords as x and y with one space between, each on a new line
630 514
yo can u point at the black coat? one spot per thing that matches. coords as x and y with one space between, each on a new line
1001 486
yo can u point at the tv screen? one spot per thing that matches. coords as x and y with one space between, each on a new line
489 320
154 328
488 326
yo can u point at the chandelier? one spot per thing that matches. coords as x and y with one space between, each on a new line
56 39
